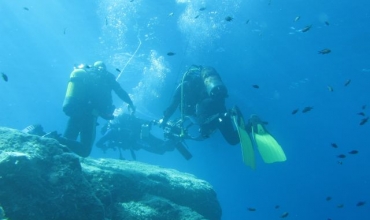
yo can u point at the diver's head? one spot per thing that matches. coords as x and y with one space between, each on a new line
100 66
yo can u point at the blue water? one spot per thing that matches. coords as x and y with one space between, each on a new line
41 43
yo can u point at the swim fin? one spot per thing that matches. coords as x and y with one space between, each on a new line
267 146
245 140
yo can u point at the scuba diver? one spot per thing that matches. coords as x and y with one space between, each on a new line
127 132
201 99
88 97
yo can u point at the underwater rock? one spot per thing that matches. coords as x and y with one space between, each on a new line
41 179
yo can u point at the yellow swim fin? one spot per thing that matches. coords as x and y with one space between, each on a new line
245 140
268 147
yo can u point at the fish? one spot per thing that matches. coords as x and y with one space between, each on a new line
341 156
361 113
196 17
202 9
64 30
340 206
334 145
307 28
295 111
252 209
328 198
277 206
170 14
297 18
364 121
118 70
307 109
229 18
353 152
327 23
5 77
361 203
325 51
363 107
284 215
256 86
106 21
347 82
330 89
340 162
25 8
247 22
170 53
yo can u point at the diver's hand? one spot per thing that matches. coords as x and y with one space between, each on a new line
162 123
132 109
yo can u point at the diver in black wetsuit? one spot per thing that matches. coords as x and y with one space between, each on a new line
127 132
89 97
201 98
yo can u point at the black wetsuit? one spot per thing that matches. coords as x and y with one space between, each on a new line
209 112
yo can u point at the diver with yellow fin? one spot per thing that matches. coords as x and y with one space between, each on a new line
200 97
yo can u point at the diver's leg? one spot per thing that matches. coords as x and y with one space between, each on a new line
87 136
157 146
228 132
73 128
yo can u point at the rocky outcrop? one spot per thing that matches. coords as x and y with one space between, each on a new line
41 179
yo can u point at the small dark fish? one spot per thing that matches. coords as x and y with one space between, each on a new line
256 86
340 206
364 121
324 51
330 89
363 107
307 109
347 82
25 8
295 111
118 70
5 77
277 206
327 23
252 209
229 18
361 113
247 22
284 215
353 152
334 145
341 156
307 28
196 17
340 162
202 9
328 198
170 53
361 203
64 30
106 21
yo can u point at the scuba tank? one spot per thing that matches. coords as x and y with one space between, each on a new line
76 98
213 83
